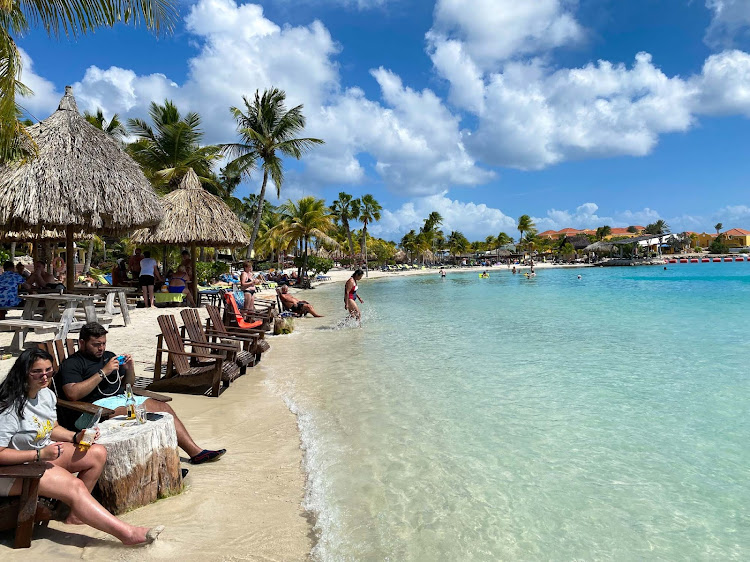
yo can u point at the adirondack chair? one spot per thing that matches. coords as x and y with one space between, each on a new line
215 324
239 349
23 512
181 376
68 410
233 314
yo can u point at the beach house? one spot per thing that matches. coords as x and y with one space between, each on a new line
736 238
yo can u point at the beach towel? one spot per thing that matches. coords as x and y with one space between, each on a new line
239 296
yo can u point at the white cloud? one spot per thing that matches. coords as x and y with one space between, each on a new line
733 216
724 84
45 98
497 30
729 18
414 139
473 220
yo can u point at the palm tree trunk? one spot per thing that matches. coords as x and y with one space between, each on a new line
258 215
364 246
304 264
349 236
89 253
12 251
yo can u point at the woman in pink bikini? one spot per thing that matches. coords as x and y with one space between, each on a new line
351 296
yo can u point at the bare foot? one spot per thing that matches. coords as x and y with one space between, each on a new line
73 520
142 535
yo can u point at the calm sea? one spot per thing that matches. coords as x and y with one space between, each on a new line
553 418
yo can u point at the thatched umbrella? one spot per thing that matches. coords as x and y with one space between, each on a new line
192 215
80 179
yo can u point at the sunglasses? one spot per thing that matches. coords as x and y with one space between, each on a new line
38 373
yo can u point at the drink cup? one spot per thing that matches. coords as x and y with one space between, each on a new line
140 413
87 439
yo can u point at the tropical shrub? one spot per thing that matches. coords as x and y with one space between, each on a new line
718 247
315 264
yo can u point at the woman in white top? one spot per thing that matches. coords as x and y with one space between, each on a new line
29 432
149 273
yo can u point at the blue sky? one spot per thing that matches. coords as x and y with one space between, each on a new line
577 112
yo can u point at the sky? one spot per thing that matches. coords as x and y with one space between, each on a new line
579 113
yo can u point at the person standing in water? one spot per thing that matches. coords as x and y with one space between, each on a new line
442 272
351 296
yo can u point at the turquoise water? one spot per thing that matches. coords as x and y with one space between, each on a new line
516 419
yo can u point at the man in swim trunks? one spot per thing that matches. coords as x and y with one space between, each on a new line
295 305
95 375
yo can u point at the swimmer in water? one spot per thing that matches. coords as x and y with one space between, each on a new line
579 277
442 272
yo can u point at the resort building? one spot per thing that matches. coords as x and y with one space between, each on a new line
703 240
617 232
736 238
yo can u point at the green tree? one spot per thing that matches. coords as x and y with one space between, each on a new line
718 226
632 230
603 231
171 146
409 244
267 132
457 243
658 227
114 127
343 210
306 218
73 18
525 224
501 240
367 210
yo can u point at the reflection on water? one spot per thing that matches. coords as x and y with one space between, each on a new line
508 418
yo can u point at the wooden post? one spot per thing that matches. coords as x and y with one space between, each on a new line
193 256
70 266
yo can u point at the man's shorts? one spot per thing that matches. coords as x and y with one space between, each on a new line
111 402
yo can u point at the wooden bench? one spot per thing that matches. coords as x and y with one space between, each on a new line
22 327
22 512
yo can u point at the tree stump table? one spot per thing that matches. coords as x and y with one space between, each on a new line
143 463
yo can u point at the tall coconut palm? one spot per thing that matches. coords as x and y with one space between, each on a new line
603 231
343 210
718 226
267 131
306 218
525 224
171 147
73 18
501 240
367 210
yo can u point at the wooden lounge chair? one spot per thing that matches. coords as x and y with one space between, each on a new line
180 375
23 512
69 410
239 349
256 337
246 321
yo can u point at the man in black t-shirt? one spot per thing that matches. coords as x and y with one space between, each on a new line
95 375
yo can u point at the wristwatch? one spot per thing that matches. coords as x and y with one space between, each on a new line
101 374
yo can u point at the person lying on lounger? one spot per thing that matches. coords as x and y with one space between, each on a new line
95 375
295 305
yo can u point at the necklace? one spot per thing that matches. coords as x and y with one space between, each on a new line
117 380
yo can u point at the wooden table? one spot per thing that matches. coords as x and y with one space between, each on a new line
110 293
52 304
143 462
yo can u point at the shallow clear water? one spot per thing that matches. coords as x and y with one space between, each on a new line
517 419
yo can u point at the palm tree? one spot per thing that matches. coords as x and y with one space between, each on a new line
409 243
169 148
343 209
267 132
603 231
114 127
718 226
73 18
457 243
367 210
525 224
306 218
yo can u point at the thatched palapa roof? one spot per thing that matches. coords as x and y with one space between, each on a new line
194 216
80 177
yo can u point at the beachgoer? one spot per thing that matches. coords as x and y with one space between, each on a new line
179 282
42 279
119 273
22 271
514 270
351 296
134 264
149 275
10 281
58 268
247 285
442 272
579 277
295 305
189 267
29 432
93 374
